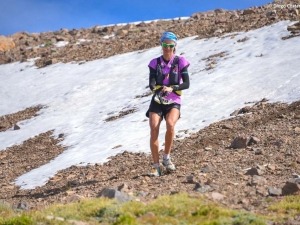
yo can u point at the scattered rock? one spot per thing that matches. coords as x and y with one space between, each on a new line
248 11
271 167
114 193
254 171
244 110
253 140
295 28
274 191
262 191
291 187
217 196
208 148
206 169
257 180
22 206
258 151
203 188
123 187
6 44
227 126
16 127
240 142
235 113
190 179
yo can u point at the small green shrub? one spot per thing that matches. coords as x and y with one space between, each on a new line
5 210
288 207
19 220
48 43
176 209
247 219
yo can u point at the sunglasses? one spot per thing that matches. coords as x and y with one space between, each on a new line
165 45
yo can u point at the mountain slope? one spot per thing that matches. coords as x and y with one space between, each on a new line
87 113
79 100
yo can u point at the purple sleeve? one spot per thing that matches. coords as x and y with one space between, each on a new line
153 63
183 63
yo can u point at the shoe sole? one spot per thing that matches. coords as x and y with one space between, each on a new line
168 169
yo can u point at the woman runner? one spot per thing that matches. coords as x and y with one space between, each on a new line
167 78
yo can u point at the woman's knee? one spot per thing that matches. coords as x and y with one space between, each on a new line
170 126
172 118
154 130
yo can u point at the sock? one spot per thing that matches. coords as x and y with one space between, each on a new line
155 165
166 156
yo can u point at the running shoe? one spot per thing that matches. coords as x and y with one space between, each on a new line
155 172
169 165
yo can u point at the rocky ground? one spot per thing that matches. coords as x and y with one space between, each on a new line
246 162
81 45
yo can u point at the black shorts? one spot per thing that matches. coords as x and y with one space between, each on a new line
160 109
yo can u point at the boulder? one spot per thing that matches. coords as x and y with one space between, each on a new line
113 193
240 141
291 187
6 44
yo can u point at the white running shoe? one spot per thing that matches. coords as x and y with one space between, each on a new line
169 165
155 172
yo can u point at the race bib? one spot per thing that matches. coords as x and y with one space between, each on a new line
162 99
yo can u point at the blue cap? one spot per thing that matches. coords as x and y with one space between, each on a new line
168 36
